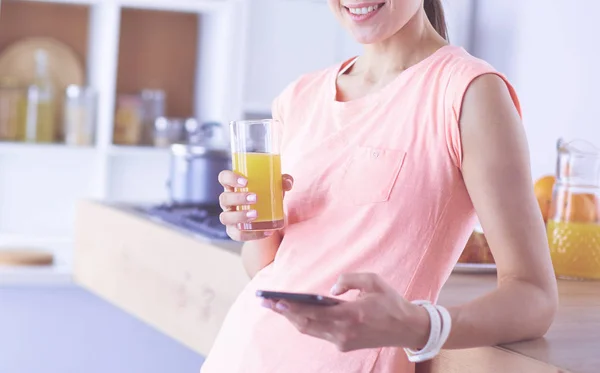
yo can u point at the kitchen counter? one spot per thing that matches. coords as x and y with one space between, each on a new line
59 274
571 345
183 286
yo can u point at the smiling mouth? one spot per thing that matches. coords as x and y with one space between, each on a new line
362 11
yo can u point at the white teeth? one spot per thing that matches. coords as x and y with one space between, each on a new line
364 10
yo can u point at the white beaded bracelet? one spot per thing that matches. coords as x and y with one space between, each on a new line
441 323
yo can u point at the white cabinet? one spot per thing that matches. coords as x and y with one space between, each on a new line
286 39
41 183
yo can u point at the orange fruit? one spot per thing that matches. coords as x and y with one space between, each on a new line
580 208
543 188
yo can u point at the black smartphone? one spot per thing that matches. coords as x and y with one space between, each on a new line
312 299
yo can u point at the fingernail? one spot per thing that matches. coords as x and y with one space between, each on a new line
242 182
281 306
266 304
252 214
268 233
251 198
335 290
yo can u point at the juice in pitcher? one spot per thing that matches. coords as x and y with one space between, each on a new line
575 249
255 155
574 217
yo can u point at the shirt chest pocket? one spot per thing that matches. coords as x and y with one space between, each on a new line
371 175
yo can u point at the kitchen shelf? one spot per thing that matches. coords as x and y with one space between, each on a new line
70 2
124 150
190 6
12 148
191 49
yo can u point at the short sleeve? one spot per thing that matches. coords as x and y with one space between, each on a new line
462 75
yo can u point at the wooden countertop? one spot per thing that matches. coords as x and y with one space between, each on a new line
571 345
183 287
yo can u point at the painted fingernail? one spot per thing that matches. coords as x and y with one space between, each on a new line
281 306
251 198
267 304
268 233
252 214
242 182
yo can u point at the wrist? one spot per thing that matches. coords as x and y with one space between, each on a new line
419 324
440 325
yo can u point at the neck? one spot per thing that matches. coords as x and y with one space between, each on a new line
414 42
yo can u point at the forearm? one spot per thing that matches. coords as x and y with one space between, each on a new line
258 254
515 311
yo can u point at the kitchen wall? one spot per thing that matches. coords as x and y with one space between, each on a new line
548 50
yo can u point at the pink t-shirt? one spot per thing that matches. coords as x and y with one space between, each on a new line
378 188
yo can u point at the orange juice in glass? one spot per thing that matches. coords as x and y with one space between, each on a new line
255 155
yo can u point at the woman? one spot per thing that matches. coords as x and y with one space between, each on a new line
392 155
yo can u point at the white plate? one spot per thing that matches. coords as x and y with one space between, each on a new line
474 268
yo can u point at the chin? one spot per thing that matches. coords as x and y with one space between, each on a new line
367 39
363 37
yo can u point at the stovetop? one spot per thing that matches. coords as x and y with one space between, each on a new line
201 219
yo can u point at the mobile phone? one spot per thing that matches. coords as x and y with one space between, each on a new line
311 299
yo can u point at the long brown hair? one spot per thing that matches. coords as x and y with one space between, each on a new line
435 13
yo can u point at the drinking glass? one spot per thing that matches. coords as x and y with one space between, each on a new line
255 155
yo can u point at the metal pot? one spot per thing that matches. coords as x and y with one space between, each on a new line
194 172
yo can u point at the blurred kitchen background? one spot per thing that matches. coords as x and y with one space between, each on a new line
93 93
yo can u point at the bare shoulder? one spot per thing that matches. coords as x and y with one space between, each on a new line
490 101
492 132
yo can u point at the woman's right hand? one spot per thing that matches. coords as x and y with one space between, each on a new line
230 200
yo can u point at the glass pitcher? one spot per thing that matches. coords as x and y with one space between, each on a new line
573 223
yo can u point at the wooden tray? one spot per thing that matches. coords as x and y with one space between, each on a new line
474 268
25 257
17 62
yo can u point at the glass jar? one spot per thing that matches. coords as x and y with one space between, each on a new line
168 131
573 225
79 115
128 120
12 100
153 107
40 115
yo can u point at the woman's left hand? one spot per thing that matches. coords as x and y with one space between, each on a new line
379 317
